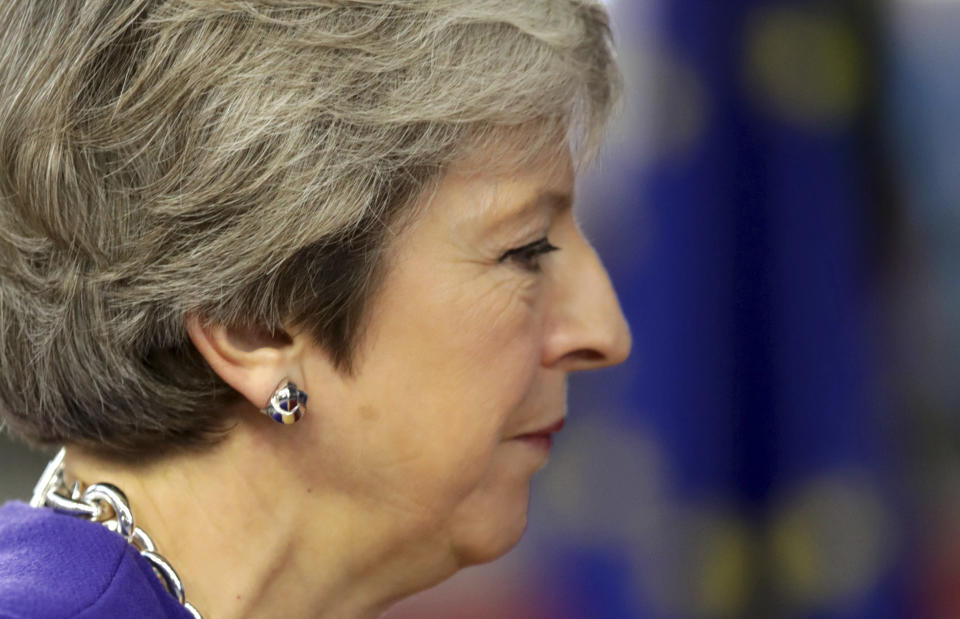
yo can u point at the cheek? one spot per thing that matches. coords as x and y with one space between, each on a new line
448 370
465 383
493 352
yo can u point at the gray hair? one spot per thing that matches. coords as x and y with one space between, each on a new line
241 161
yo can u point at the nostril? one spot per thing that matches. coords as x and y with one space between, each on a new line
590 355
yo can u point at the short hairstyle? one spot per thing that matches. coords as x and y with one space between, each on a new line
240 161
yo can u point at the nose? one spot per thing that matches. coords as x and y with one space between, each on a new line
586 329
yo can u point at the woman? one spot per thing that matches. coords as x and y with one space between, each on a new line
212 210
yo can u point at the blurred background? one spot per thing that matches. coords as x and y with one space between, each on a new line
779 208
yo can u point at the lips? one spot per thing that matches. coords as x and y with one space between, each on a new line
544 432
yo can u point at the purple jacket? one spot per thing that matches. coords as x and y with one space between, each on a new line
54 566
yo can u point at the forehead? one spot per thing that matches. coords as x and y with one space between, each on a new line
486 197
483 190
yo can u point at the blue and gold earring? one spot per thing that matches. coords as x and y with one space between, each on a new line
287 404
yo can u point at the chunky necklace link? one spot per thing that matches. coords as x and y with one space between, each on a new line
108 505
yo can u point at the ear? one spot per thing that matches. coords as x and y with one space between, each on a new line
252 361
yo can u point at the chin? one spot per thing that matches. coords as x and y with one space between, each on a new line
490 528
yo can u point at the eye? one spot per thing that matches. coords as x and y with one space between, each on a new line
528 256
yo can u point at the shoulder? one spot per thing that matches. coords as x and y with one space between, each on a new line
53 565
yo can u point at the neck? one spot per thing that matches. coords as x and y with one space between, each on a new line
247 544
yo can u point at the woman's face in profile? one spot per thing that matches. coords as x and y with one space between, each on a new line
471 337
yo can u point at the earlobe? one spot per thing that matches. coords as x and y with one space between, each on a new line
287 404
249 360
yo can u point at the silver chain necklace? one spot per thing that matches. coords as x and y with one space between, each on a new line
108 505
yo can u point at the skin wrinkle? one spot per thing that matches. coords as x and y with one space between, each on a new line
249 197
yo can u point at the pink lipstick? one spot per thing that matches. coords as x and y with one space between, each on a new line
542 439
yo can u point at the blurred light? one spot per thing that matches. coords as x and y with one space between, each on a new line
804 65
832 540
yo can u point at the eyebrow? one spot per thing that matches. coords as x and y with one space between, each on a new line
556 201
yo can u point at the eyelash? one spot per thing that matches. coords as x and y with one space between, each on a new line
528 256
